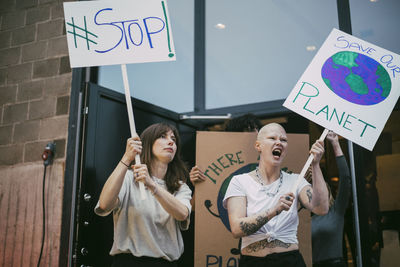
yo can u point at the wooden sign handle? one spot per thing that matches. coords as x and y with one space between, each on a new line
131 121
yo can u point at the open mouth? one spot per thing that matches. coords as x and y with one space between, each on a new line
277 152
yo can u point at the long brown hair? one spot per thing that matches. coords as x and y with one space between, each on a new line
177 170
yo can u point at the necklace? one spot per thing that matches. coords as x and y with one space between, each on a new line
262 183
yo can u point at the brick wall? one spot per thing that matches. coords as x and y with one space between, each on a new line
35 82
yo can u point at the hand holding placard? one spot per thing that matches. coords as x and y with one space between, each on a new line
131 121
119 32
308 162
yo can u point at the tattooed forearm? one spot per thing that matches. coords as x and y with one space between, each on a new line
309 195
251 228
265 244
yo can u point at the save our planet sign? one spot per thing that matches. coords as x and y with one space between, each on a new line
350 87
118 32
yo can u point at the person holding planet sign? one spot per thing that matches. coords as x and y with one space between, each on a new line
147 232
262 209
327 231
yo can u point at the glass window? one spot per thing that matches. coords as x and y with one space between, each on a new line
376 21
257 50
165 84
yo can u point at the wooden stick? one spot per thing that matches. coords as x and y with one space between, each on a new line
131 121
308 163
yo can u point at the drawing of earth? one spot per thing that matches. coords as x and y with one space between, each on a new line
223 213
356 78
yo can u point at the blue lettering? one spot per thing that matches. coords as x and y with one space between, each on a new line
341 39
354 45
213 260
110 24
387 59
232 262
147 28
128 34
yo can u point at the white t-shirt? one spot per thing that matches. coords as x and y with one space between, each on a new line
282 227
143 227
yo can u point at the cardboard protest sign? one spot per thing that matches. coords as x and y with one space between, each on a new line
350 87
221 155
118 32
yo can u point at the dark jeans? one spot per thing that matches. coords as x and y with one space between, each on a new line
128 260
337 262
291 258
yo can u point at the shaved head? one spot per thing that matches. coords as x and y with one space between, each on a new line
267 128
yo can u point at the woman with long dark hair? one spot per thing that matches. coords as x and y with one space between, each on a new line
147 232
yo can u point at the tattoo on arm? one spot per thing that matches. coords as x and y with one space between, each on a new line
259 245
251 228
309 195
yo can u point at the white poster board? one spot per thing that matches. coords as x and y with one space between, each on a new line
118 32
350 87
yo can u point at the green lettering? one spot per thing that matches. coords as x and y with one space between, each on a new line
365 127
347 121
215 169
327 111
309 94
238 158
212 180
306 105
222 164
337 117
230 158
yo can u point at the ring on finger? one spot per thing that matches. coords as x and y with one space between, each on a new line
287 198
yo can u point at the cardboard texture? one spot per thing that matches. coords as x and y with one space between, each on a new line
220 155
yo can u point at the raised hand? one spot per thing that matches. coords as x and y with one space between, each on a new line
133 147
332 137
317 150
141 174
196 175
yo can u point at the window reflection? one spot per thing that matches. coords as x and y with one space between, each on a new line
163 83
263 48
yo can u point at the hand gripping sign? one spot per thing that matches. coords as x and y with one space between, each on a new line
119 32
350 87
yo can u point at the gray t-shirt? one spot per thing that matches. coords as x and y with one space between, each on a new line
327 230
143 227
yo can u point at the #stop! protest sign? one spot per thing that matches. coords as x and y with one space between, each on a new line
350 87
118 32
